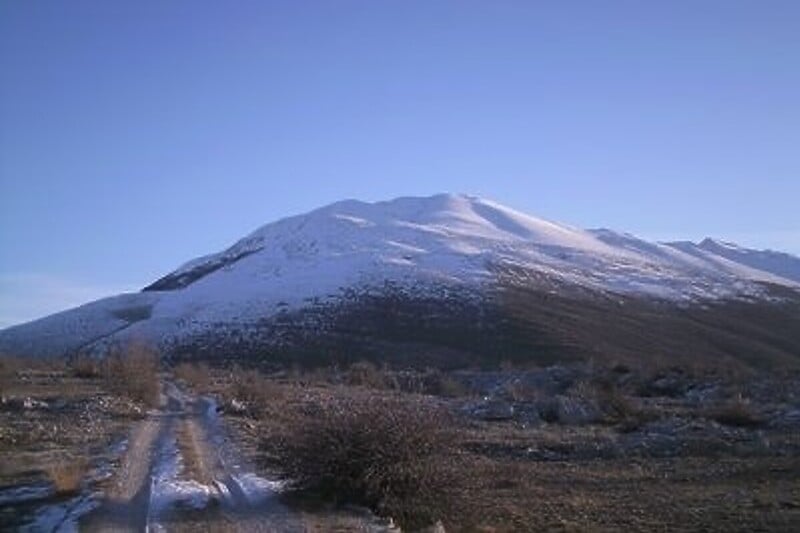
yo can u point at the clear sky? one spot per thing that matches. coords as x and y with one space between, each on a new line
137 135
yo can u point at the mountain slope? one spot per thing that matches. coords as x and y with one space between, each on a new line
436 271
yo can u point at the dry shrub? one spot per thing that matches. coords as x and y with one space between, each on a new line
614 403
366 374
85 366
195 375
321 375
259 393
23 371
390 454
438 383
450 387
9 366
8 371
523 391
736 413
67 476
134 374
617 408
430 381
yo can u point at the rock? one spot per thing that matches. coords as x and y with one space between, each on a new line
237 407
703 394
671 384
30 403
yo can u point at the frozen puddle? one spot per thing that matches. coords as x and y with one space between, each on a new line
24 493
37 507
62 518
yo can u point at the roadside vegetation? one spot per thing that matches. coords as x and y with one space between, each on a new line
385 452
58 418
133 373
195 375
67 475
521 448
517 448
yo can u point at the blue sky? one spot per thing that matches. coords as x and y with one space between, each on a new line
137 135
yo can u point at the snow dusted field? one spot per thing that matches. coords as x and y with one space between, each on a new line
444 240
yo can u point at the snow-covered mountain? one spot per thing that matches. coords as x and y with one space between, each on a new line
444 248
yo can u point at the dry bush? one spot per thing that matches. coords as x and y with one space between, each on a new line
366 374
737 413
67 476
616 407
613 402
317 375
134 374
450 387
261 395
195 375
522 391
322 375
85 366
8 371
430 381
437 383
9 366
388 453
19 373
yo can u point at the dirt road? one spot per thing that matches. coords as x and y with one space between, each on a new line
182 472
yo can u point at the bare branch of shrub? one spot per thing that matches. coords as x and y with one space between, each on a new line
195 375
67 476
736 413
134 374
391 454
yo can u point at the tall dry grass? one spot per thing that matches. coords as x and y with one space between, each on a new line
195 375
133 373
67 476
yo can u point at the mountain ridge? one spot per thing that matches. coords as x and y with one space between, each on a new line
425 254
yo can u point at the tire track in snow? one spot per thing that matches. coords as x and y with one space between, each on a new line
181 472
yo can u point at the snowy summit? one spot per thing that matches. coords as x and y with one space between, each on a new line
456 241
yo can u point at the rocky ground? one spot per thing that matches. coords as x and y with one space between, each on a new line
561 448
60 435
585 449
76 453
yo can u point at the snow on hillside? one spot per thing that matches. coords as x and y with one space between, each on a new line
449 238
780 264
414 242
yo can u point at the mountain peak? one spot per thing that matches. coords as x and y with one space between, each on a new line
711 243
420 247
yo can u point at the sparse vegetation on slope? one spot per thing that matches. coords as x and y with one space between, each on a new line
579 447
